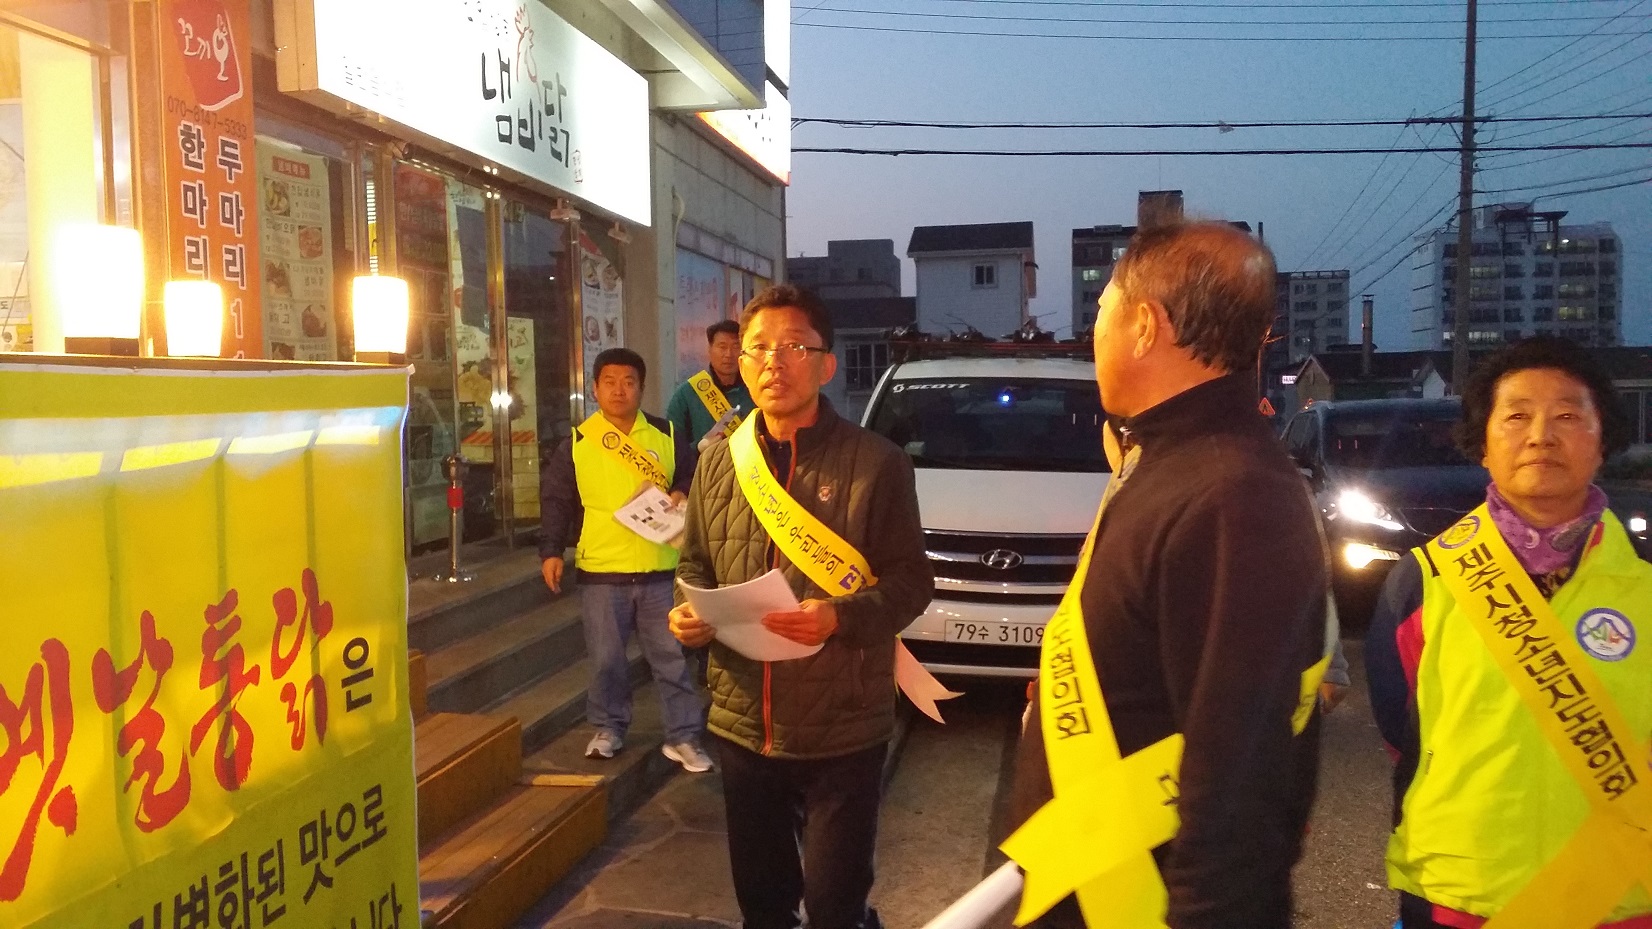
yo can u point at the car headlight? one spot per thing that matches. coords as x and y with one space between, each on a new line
1637 524
1358 554
1356 506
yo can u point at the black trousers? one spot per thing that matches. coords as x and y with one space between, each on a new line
802 831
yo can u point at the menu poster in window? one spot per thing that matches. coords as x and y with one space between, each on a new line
210 183
701 286
602 301
295 241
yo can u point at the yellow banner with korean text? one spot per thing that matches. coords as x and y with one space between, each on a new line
203 699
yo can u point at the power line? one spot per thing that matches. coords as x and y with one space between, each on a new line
1612 114
1397 243
1565 154
1348 210
1558 144
1560 63
1591 190
1570 180
1554 56
1438 4
1220 125
1393 189
857 11
1193 38
1010 153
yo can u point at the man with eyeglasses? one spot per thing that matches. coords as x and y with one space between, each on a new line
801 743
708 406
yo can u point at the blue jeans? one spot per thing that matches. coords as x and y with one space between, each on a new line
612 613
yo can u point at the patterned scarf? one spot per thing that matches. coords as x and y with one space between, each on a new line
1545 553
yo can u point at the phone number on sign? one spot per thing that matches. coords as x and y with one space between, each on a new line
995 633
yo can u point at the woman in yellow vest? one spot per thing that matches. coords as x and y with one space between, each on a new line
1509 674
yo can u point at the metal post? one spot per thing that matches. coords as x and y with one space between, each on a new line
454 467
1465 229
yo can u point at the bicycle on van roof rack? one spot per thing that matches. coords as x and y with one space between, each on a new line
908 343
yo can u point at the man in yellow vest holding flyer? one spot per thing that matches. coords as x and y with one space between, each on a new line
832 507
709 405
625 577
1166 771
1510 676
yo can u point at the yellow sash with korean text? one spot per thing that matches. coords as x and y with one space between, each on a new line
1094 838
1612 850
715 403
625 451
824 556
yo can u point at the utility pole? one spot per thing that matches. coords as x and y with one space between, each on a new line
1465 230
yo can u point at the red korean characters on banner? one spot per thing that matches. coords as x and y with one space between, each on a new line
211 181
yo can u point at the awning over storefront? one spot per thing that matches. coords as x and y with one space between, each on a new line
702 79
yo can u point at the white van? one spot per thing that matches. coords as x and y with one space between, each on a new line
1005 440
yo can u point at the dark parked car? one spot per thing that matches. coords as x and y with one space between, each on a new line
1388 477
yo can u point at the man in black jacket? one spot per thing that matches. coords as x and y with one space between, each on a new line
1204 600
801 743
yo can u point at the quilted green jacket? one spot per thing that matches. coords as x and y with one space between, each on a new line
842 698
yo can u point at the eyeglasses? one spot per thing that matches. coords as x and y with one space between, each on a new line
785 354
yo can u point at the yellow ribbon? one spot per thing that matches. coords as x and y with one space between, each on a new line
715 403
1094 838
833 564
1607 759
625 451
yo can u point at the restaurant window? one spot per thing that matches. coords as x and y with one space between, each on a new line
306 243
539 349
55 169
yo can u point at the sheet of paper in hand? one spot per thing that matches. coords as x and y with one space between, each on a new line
652 515
737 612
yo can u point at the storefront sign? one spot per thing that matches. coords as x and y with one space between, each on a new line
297 242
505 80
765 135
211 190
203 704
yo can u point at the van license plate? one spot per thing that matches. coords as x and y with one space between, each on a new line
995 633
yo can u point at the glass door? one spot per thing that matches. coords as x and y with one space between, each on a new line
540 350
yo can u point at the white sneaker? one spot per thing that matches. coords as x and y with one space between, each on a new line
603 745
693 758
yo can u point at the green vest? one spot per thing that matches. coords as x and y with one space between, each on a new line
605 484
1491 802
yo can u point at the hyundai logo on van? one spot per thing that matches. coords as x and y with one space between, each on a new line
1002 559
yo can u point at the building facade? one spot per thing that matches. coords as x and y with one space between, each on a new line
1531 274
850 269
979 276
611 174
1095 249
1313 311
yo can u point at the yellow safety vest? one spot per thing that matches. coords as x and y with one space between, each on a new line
610 467
1533 794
